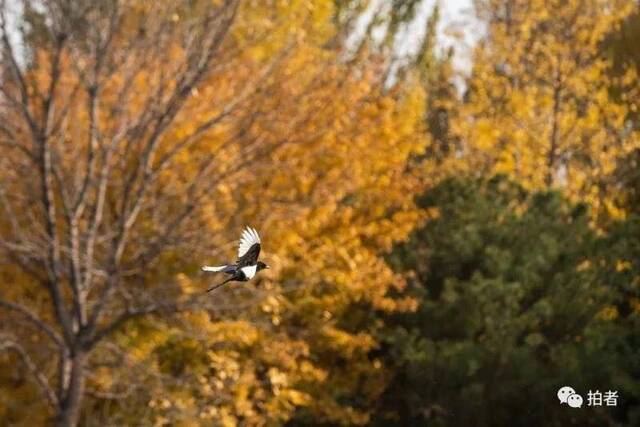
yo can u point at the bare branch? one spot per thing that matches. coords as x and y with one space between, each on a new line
34 320
6 343
197 63
15 70
13 141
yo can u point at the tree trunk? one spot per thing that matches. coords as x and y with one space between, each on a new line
70 405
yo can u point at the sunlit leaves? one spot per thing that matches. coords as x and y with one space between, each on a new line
540 105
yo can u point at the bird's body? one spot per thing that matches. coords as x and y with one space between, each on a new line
249 271
247 265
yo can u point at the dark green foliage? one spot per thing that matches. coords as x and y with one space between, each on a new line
514 305
620 268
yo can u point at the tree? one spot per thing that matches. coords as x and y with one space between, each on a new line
539 105
512 305
156 132
89 107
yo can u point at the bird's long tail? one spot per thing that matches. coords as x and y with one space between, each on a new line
214 269
219 284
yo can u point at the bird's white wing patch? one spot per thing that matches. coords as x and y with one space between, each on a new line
213 268
249 238
249 271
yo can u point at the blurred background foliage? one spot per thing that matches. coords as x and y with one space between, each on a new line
448 247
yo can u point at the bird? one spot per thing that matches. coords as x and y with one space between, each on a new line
247 265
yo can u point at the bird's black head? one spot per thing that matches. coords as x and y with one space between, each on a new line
262 266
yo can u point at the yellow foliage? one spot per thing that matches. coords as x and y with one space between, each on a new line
314 154
540 107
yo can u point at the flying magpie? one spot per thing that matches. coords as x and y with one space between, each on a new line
247 264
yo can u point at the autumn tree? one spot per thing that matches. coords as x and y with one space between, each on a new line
137 139
91 93
538 105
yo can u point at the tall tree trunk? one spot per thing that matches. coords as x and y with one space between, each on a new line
70 405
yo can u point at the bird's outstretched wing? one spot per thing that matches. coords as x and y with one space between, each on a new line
249 248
